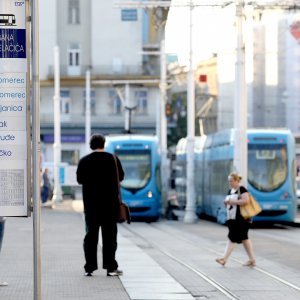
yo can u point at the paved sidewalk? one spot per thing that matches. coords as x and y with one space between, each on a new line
62 232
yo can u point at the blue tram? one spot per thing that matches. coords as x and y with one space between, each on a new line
141 187
271 173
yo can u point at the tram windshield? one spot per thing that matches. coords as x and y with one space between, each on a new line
137 168
267 166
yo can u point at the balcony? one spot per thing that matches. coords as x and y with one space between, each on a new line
104 118
79 119
146 69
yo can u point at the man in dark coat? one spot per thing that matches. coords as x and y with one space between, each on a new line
97 172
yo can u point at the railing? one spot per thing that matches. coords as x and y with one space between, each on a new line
79 119
151 69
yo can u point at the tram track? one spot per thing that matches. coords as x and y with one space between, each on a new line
221 288
273 276
269 274
209 279
217 285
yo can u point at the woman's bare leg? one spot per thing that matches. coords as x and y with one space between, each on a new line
228 250
249 249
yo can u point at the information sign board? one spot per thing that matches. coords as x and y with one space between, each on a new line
14 112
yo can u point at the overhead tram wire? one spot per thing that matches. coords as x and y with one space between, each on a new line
168 4
284 4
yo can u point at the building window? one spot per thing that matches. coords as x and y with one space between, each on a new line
70 156
129 15
141 99
65 102
74 60
116 102
73 12
93 102
74 55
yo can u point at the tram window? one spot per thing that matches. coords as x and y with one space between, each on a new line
267 166
265 154
137 168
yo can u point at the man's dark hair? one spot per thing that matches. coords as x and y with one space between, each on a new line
97 141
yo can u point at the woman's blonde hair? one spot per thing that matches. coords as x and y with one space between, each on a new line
235 176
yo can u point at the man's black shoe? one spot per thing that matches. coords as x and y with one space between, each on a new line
115 273
88 274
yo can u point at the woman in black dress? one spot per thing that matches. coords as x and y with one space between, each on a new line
237 225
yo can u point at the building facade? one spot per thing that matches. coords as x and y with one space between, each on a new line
110 42
272 73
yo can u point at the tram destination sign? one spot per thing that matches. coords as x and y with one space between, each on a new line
14 114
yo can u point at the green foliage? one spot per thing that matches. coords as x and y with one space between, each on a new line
177 122
177 132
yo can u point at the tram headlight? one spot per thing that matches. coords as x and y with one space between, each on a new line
150 195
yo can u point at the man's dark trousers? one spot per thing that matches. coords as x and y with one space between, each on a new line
109 245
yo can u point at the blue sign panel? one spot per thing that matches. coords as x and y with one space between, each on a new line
12 43
129 14
75 138
61 175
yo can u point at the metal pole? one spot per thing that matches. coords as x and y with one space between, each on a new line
57 196
36 151
163 121
127 112
87 111
190 216
157 125
240 103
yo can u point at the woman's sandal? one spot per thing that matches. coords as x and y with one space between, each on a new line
250 263
221 261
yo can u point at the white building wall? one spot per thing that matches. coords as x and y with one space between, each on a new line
273 75
104 40
276 72
249 66
226 72
48 36
291 95
72 36
271 71
115 43
226 78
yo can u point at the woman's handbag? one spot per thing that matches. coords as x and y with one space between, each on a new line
251 209
124 213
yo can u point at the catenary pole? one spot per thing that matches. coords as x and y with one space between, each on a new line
190 216
57 195
240 101
163 121
87 110
36 145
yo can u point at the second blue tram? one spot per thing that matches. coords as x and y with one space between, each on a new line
141 187
271 173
